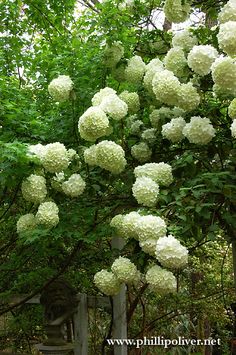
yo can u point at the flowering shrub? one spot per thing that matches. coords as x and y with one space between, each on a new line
47 214
34 188
170 253
107 283
199 130
161 281
146 191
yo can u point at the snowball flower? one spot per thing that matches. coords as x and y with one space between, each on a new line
176 62
55 158
110 156
145 191
60 88
124 270
166 86
161 173
188 97
114 107
149 135
113 54
135 127
226 37
141 152
232 109
224 74
100 95
199 130
176 11
150 227
48 214
233 128
228 12
152 68
74 186
161 281
132 101
135 70
170 253
26 223
200 59
107 282
37 149
148 246
185 40
158 115
34 188
128 228
93 124
90 155
173 130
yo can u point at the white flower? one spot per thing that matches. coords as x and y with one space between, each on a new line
37 149
141 152
224 75
60 88
226 37
26 223
150 227
100 95
176 62
201 58
132 101
113 54
152 68
107 282
114 107
93 124
71 153
148 246
185 40
170 253
74 186
90 155
55 158
135 127
110 156
199 130
158 115
188 97
129 225
48 214
173 130
149 135
135 70
145 191
228 12
176 10
161 173
124 270
165 87
232 109
161 281
233 128
34 188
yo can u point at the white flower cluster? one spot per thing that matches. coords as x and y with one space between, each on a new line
166 86
135 127
201 58
60 88
26 223
107 282
34 188
173 130
161 173
188 97
113 54
150 227
135 70
93 124
114 107
224 75
228 12
161 281
74 186
185 40
125 225
106 154
232 109
47 214
176 62
55 157
170 253
145 191
160 114
149 135
141 152
176 11
233 128
132 101
37 150
124 270
199 130
152 68
101 94
226 37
